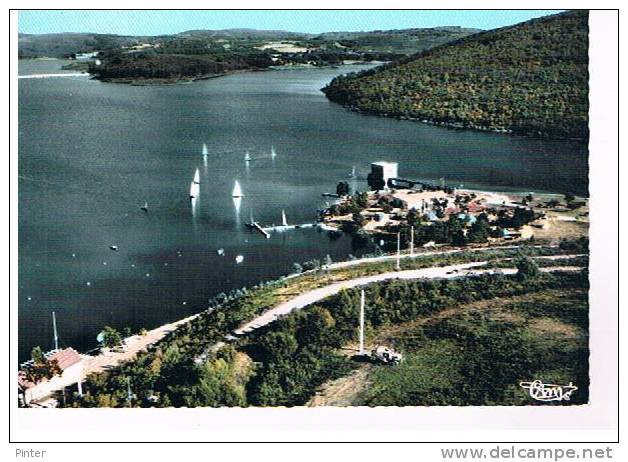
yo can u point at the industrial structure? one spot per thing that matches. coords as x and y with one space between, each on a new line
381 173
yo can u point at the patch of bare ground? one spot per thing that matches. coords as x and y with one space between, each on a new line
343 391
562 229
243 366
550 326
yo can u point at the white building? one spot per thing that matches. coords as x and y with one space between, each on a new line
382 172
71 364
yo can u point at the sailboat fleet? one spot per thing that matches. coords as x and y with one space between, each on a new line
237 188
237 194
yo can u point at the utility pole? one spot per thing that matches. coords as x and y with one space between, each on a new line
361 352
412 240
54 328
129 393
398 266
80 380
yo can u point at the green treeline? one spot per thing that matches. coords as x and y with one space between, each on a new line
175 66
531 79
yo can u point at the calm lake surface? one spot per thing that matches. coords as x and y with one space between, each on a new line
91 154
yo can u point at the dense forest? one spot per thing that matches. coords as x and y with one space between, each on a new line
531 78
120 66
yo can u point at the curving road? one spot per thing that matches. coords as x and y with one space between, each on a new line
443 272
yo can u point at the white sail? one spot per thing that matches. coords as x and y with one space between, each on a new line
197 177
273 154
247 156
284 221
204 149
237 190
194 190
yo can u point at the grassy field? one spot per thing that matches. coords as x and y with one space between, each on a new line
478 353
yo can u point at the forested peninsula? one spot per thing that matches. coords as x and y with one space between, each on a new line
527 79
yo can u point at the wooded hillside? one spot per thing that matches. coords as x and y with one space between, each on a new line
531 78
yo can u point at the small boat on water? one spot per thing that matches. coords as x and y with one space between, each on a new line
194 190
197 177
247 157
284 220
204 150
114 248
273 154
237 190
239 259
352 174
144 207
221 252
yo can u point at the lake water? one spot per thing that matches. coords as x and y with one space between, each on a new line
91 154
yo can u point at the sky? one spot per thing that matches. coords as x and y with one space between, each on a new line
158 22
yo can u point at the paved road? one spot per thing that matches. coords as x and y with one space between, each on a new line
313 296
423 253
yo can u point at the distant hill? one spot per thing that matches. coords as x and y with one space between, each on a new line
199 54
393 42
531 78
62 45
404 41
244 33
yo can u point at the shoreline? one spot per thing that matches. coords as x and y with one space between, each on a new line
135 344
457 125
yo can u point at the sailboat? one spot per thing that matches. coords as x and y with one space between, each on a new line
197 178
247 157
194 190
284 221
273 154
204 150
352 174
237 190
144 207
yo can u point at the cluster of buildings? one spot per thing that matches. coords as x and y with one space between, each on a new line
392 198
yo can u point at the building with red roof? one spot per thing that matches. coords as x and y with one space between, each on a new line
70 362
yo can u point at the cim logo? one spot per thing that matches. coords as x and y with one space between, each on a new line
549 392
